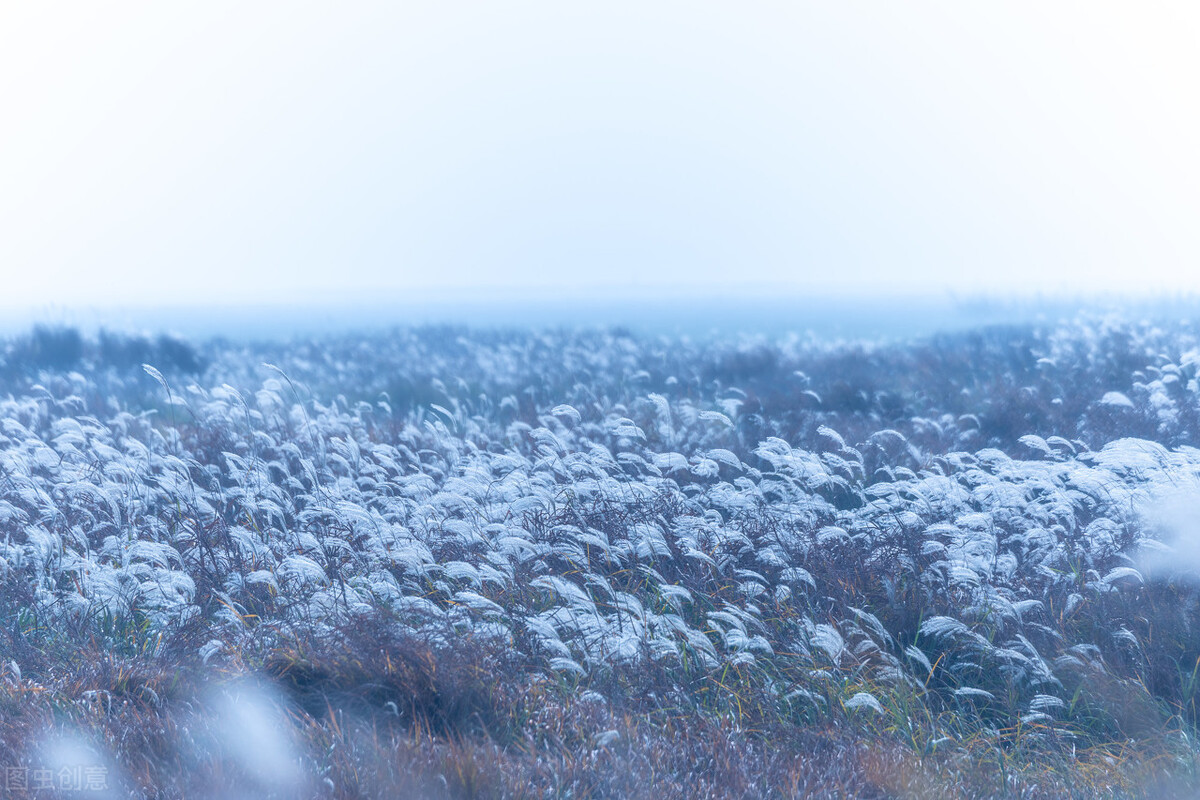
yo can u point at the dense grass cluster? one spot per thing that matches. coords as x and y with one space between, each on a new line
443 562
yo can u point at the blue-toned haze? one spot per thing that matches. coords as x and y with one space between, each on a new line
236 154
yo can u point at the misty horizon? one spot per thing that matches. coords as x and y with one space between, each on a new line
749 311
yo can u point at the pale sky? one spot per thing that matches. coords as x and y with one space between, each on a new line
233 152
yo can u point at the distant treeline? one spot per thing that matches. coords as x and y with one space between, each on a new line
59 347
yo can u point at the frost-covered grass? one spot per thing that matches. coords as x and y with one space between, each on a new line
443 562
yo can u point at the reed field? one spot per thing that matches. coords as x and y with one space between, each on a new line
444 562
